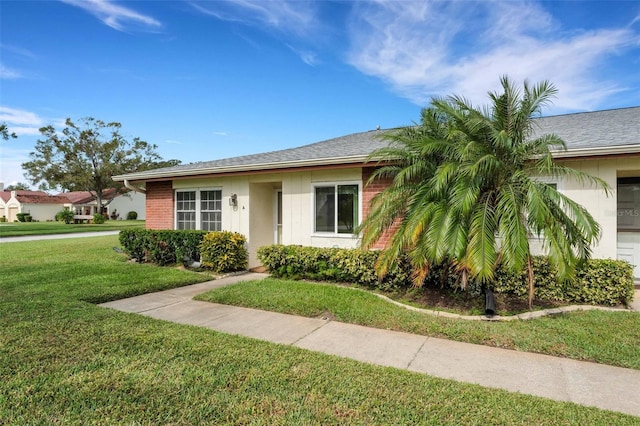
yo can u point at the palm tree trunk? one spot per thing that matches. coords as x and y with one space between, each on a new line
530 280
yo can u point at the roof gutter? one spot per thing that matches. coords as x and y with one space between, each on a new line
128 185
239 168
600 151
355 159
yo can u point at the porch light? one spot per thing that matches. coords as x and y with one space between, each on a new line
233 200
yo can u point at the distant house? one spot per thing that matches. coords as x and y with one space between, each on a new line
84 204
316 195
40 205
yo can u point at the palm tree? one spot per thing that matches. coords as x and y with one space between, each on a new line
464 192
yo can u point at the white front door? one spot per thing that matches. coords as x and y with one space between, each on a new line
629 250
629 222
277 215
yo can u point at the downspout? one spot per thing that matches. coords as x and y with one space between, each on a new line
128 185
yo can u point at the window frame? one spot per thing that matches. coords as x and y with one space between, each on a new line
335 184
198 206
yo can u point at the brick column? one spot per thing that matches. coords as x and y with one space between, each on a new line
368 192
159 205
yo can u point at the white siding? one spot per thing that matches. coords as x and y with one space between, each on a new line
131 201
603 208
254 215
42 212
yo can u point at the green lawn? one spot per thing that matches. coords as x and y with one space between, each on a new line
64 360
17 229
605 337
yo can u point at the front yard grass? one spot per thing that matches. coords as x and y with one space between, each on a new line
604 337
18 229
64 360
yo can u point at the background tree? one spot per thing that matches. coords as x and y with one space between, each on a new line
464 191
19 186
84 157
4 133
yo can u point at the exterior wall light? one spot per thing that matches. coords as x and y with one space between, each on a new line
233 200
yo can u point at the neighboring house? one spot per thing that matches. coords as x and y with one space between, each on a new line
84 204
315 195
40 205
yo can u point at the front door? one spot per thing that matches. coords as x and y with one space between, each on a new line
277 239
629 222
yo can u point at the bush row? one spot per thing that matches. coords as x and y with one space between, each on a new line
24 217
598 281
331 264
220 251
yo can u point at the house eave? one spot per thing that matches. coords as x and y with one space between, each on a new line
148 175
598 151
335 161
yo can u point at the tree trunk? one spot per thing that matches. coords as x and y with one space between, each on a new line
530 280
99 201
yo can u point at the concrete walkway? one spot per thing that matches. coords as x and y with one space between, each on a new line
57 236
597 385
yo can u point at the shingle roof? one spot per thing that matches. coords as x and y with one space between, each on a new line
84 197
598 129
34 197
353 145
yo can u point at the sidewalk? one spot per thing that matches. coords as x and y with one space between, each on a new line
602 386
57 236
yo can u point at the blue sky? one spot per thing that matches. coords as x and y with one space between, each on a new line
213 79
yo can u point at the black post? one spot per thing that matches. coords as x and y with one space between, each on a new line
489 303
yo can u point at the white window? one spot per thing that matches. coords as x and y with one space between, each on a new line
186 210
336 208
199 209
211 210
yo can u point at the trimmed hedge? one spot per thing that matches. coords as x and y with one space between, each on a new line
24 217
331 264
220 251
162 247
599 281
224 251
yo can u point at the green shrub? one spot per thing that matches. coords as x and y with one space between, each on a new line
65 215
3 219
134 243
332 264
24 217
162 247
603 281
132 215
224 251
99 218
599 281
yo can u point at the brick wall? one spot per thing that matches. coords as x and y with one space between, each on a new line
368 192
159 205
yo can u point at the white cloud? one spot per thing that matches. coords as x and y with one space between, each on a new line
11 158
220 133
9 74
18 118
297 17
433 48
25 53
117 17
173 142
306 56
